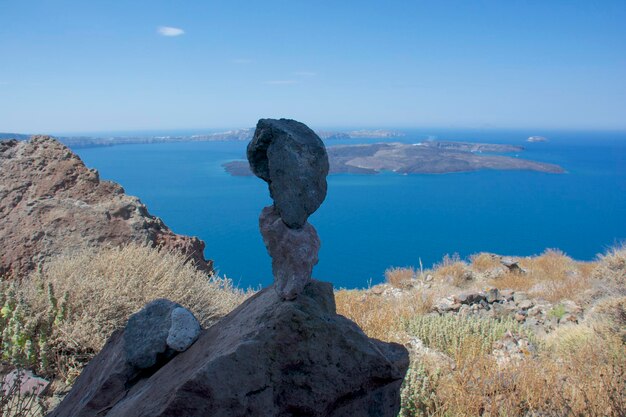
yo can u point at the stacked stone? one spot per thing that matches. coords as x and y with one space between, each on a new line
292 159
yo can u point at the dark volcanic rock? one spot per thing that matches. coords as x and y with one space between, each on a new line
267 358
50 204
292 159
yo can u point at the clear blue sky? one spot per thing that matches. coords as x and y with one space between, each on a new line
70 66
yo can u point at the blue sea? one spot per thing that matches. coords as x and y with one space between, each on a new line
370 223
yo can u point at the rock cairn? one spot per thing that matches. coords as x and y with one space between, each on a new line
283 352
292 159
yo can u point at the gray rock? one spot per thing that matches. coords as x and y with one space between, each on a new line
469 298
293 252
525 304
507 295
571 307
512 265
157 332
184 330
292 159
492 295
23 381
146 333
520 296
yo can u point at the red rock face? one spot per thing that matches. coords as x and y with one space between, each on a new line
51 203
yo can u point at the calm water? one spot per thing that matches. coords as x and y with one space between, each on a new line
369 223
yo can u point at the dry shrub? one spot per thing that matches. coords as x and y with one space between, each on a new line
399 277
483 262
104 288
589 380
608 317
452 270
378 316
611 268
513 281
555 276
567 340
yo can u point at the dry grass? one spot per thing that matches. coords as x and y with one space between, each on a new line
608 317
552 276
451 270
611 268
104 288
578 370
586 378
557 276
483 262
381 317
513 281
399 277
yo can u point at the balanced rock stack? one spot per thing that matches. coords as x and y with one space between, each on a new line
292 159
283 352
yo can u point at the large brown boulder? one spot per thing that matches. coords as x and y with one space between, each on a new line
50 204
266 358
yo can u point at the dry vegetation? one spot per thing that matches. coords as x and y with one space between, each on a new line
577 370
62 315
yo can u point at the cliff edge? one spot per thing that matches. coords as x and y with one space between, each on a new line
51 203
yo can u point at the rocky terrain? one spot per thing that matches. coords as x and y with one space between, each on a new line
494 335
423 158
51 204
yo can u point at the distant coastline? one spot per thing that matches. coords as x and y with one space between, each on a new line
236 135
429 157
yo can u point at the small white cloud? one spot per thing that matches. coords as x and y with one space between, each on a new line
169 31
242 61
281 82
305 73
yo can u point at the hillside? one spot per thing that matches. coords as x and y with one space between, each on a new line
51 203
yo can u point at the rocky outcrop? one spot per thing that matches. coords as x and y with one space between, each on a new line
293 161
50 204
269 357
538 315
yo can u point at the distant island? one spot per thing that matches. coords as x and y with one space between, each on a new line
236 135
534 139
429 157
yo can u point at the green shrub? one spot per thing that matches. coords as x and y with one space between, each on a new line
24 333
557 311
450 333
418 395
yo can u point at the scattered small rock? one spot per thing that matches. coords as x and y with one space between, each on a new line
29 383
